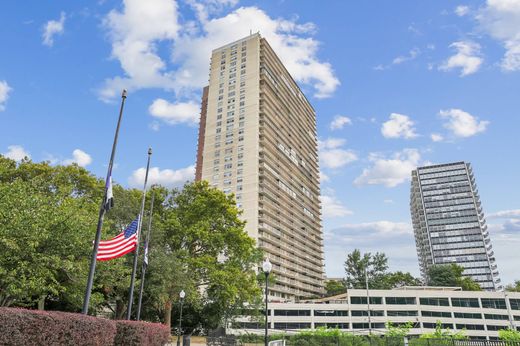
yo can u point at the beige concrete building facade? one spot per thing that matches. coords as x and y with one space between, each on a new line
258 140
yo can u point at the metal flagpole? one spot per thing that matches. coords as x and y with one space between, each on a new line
136 253
92 269
145 258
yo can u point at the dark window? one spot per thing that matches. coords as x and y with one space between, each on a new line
292 312
434 325
515 304
436 314
332 325
291 325
435 301
401 313
517 318
496 317
493 303
467 315
400 300
470 326
365 325
497 327
330 312
465 302
363 300
365 313
247 325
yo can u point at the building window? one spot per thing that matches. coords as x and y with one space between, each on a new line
467 315
434 325
363 300
401 313
435 301
470 326
465 302
515 304
291 325
365 313
436 314
292 312
493 303
400 300
228 166
496 317
365 325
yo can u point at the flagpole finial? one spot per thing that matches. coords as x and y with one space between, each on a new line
150 151
123 94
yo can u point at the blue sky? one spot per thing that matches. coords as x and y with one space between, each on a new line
394 84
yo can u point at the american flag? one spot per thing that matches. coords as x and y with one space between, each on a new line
120 245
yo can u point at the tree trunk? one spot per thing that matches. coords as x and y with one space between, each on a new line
41 303
168 314
120 309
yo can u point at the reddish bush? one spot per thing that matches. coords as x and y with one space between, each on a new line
134 333
29 327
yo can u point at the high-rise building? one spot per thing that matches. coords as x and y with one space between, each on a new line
257 139
449 223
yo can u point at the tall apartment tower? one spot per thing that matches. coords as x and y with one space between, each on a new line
257 139
449 223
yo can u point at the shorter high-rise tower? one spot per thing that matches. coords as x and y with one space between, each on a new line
449 223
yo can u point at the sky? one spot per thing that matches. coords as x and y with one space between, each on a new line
395 85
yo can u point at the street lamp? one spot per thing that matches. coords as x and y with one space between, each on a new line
266 267
182 294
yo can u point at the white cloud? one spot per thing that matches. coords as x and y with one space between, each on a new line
403 58
53 28
462 124
461 10
175 113
398 126
136 31
339 122
79 157
332 155
166 177
467 58
436 137
388 201
501 19
16 152
324 177
381 228
514 213
390 171
332 207
5 89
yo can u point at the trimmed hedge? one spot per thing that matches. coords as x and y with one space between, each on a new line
31 327
134 333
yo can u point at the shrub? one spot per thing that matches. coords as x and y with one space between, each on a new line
29 327
509 334
130 333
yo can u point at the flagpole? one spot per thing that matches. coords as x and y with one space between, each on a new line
145 258
92 269
136 253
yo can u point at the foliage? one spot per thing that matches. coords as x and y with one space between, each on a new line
440 333
26 327
377 274
509 334
135 333
334 287
399 331
514 287
450 275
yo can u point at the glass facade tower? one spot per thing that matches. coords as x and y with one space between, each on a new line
449 224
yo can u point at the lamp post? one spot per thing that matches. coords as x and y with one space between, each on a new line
266 267
182 294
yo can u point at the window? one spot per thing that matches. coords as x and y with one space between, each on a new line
436 314
330 312
228 166
470 326
497 327
434 301
465 302
467 315
332 325
292 312
434 325
493 303
365 313
496 317
363 300
291 325
227 182
400 300
227 174
515 304
401 313
365 325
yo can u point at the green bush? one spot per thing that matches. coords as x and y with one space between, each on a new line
509 335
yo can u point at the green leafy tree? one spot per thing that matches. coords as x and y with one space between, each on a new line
514 287
334 287
375 265
441 333
450 275
214 255
509 335
399 279
398 331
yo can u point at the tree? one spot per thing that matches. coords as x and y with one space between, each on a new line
514 287
399 331
440 333
334 287
378 276
509 335
375 265
209 248
450 275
